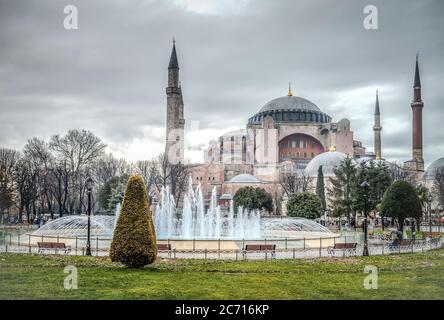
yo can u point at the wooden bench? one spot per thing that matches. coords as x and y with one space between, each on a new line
432 235
398 244
344 248
164 247
266 248
56 246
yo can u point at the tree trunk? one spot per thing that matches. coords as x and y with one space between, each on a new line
401 227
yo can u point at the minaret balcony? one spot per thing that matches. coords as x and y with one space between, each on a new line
173 90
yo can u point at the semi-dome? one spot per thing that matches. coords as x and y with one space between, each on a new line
245 178
290 109
328 160
431 169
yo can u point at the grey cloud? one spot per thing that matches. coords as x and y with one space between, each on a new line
110 75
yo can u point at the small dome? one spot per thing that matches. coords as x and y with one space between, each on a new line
431 169
290 103
328 160
245 178
226 196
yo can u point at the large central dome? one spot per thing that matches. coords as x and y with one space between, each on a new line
290 103
290 109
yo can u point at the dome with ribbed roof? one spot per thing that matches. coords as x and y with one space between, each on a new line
290 109
290 103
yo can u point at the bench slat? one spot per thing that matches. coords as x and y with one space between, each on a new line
162 246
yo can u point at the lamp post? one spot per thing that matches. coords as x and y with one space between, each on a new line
365 185
89 186
430 198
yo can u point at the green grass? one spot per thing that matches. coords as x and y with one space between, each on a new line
407 276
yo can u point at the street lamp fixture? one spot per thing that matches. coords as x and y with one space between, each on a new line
89 184
365 185
430 199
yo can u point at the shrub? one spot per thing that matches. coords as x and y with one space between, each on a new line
304 205
134 240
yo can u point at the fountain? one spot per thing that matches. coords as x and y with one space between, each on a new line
196 223
193 226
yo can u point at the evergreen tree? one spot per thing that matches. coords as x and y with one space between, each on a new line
116 196
251 198
320 188
341 192
382 180
379 178
305 205
134 241
112 192
401 201
364 172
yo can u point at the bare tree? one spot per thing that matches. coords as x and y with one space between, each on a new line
166 174
8 159
37 152
144 169
79 148
295 181
25 178
6 193
106 168
400 172
59 186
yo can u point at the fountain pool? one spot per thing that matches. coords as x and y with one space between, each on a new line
194 223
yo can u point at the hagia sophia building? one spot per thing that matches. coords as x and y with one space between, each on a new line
288 134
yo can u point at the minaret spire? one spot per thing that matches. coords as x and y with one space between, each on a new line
377 112
417 83
175 123
174 64
417 105
377 129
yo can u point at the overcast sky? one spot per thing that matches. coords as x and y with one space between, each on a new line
109 76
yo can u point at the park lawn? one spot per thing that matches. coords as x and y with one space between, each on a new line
406 276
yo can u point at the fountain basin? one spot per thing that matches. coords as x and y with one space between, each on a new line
102 227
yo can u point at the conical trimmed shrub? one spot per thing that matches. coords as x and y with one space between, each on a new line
134 240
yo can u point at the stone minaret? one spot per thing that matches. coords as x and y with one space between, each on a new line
417 106
377 129
174 147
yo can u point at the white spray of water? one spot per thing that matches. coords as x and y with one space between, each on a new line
195 223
